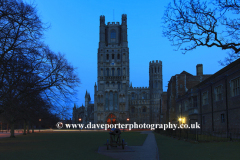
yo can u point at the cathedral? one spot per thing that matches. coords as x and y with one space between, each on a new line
115 100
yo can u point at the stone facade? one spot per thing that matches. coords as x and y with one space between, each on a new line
178 86
215 102
115 100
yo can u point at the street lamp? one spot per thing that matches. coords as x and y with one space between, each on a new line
39 123
80 119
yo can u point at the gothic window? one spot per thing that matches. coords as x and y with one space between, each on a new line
101 72
111 101
132 109
119 85
124 71
123 56
107 72
118 56
112 56
118 72
113 34
155 70
106 102
113 71
152 70
144 96
115 100
101 57
132 95
158 69
107 56
144 109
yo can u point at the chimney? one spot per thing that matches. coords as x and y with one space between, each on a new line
199 68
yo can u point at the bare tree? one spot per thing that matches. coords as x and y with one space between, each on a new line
27 66
193 23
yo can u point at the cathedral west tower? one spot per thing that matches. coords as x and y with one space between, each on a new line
110 98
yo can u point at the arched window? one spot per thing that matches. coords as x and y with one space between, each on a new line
155 70
106 101
113 34
132 95
107 72
158 69
113 71
118 72
144 96
107 57
144 109
111 101
112 56
119 85
133 109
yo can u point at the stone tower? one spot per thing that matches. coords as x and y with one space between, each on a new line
110 98
156 89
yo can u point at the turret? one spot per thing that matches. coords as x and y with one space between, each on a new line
155 75
95 88
124 30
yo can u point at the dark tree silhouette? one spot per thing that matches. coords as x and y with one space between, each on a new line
28 68
189 24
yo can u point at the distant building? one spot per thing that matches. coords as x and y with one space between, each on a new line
115 100
214 102
178 86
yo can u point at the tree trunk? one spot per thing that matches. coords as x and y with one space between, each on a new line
28 127
32 128
12 130
24 128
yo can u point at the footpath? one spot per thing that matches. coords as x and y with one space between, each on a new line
148 150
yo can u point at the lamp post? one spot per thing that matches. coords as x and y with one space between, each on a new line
80 120
127 122
39 123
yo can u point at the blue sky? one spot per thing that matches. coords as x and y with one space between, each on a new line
74 31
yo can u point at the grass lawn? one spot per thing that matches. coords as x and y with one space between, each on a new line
61 145
170 148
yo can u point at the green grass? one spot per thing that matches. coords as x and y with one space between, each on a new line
170 148
63 145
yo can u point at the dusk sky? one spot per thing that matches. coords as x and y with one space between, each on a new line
74 32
